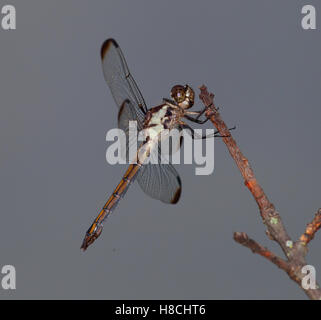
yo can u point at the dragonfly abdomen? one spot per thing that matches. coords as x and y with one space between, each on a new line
96 228
122 188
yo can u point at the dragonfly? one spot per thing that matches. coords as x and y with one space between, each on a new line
160 181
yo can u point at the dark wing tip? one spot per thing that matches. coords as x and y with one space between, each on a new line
178 192
176 196
121 109
106 45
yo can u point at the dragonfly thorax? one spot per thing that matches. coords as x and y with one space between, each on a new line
158 128
160 118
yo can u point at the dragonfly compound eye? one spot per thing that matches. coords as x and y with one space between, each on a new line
178 93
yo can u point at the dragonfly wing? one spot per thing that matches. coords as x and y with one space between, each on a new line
117 75
128 112
160 181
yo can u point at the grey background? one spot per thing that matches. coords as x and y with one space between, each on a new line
56 109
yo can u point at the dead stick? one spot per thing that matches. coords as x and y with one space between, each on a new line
295 252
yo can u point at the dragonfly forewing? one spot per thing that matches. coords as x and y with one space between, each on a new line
118 77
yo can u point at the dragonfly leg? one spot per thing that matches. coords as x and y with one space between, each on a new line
199 114
194 135
196 120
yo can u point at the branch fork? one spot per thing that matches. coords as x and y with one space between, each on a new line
294 251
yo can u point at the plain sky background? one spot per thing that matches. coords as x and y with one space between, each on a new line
56 109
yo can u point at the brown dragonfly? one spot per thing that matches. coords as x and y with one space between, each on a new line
160 181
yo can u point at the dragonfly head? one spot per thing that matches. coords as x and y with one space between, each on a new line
183 96
91 235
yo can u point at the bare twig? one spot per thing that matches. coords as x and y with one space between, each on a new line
311 229
295 252
243 239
